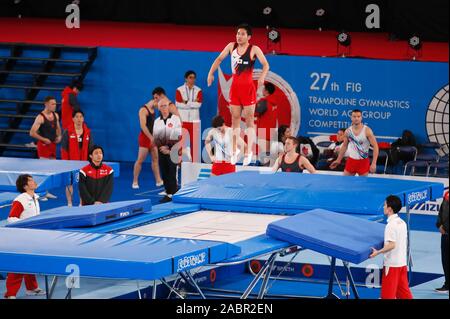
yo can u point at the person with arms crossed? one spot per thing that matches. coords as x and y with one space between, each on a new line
96 179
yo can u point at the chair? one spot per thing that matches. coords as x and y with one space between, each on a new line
430 158
416 164
443 165
381 160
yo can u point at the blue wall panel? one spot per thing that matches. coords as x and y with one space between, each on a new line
121 80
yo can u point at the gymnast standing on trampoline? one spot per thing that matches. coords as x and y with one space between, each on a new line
291 161
243 91
358 139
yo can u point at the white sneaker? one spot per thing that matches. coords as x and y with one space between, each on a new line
135 186
159 184
35 292
11 297
50 196
163 193
248 159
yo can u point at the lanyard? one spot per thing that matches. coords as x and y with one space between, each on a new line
188 91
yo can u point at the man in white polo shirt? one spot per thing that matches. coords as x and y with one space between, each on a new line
167 135
394 283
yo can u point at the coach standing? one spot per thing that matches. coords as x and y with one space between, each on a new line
167 134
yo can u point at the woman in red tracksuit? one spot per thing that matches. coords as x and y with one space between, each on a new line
24 206
75 144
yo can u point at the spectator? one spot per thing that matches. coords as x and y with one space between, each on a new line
407 139
189 98
167 134
69 103
24 206
332 152
75 145
308 149
96 179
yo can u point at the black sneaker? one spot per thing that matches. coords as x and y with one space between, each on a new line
443 290
165 199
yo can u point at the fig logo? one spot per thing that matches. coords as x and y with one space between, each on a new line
288 105
437 120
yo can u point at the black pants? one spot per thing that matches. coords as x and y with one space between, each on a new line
444 256
168 173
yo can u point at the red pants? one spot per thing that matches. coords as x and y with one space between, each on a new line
395 285
360 167
46 150
14 281
194 139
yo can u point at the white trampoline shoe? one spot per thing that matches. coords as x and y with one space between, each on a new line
135 186
35 292
248 159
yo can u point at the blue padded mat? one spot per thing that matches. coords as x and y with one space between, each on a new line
47 173
288 192
104 255
84 216
345 237
6 198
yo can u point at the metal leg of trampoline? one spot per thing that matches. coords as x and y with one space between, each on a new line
351 280
50 289
187 276
171 289
408 249
258 276
155 285
267 275
138 290
330 294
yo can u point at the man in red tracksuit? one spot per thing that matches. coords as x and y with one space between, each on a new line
96 179
24 206
75 144
69 103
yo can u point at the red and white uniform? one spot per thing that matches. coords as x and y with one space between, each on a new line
243 91
24 206
222 152
394 283
188 102
358 152
267 123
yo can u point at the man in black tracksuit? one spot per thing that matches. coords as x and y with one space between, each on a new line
442 224
96 179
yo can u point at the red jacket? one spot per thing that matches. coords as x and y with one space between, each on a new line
70 149
66 108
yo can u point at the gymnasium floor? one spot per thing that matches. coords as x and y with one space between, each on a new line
425 245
